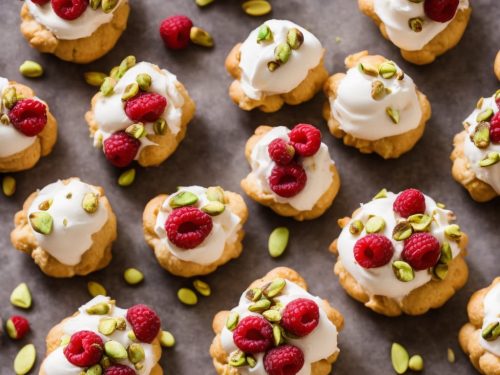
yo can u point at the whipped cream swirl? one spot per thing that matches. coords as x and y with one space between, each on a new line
491 305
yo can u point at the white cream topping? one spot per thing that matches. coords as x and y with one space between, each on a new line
257 80
364 117
491 174
73 227
109 111
395 14
491 305
381 280
56 362
85 25
319 344
317 167
12 141
224 231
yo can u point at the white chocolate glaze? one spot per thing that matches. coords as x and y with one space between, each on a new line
257 80
491 174
364 117
491 305
224 231
317 167
67 243
395 15
317 345
57 364
82 27
381 280
109 112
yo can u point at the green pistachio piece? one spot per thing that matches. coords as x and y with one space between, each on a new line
108 86
440 271
403 271
213 208
251 361
94 370
115 350
479 103
416 363
416 24
375 224
274 288
378 90
264 34
272 315
387 69
491 331
127 178
203 3
109 5
237 359
135 353
9 186
133 276
107 326
232 320
368 69
182 199
294 38
9 97
131 336
127 63
101 308
94 78
215 194
446 254
399 358
21 296
260 305
402 231
256 8
4 118
114 72
453 232
144 81
31 69
41 222
121 324
441 205
282 53
136 131
485 115
450 355
90 203
278 241
277 334
131 90
201 37
273 65
481 135
202 287
95 4
381 194
167 340
95 289
491 159
420 222
497 95
65 339
187 296
253 294
159 126
356 227
25 359
393 114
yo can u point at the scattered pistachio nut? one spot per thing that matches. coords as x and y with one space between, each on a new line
41 222
481 136
101 308
274 288
399 358
485 115
131 90
278 241
136 131
167 340
201 37
90 203
131 336
375 224
264 34
232 320
108 86
420 222
127 178
393 114
187 296
95 4
215 194
135 353
95 289
453 232
277 334
25 359
416 24
31 69
450 355
368 69
295 38
21 296
446 254
8 186
381 194
115 350
202 287
203 3
256 7
387 69
272 315
133 276
159 126
94 78
182 199
491 159
260 306
107 326
416 363
65 339
282 53
213 208
237 359
108 5
440 271
144 81
113 73
403 271
402 231
356 227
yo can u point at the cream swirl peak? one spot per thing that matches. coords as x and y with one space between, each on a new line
491 305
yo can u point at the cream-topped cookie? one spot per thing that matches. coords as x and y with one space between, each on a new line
489 338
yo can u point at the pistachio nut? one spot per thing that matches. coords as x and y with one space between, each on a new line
136 131
135 353
453 232
94 370
109 5
399 358
115 350
402 231
264 34
387 69
107 326
274 288
277 334
25 359
260 306
9 97
440 271
127 178
101 308
95 4
21 296
420 222
121 323
378 90
65 339
282 53
202 3
108 86
273 65
481 135
381 194
278 241
127 63
491 159
446 254
441 205
251 361
368 69
416 24
375 224
4 118
272 315
114 72
450 355
403 271
167 340
232 320
237 359
201 37
479 103
215 194
131 336
182 199
31 69
294 38
256 7
187 296
491 331
94 78
253 294
131 90
484 115
416 363
144 81
159 126
356 227
213 208
41 222
202 287
9 186
96 289
393 114
133 276
90 203
400 75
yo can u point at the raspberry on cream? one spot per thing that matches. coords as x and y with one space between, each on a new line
491 315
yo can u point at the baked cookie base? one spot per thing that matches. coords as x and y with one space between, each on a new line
166 144
305 91
42 146
479 190
83 50
431 295
181 267
95 258
388 147
251 187
485 362
442 42
218 354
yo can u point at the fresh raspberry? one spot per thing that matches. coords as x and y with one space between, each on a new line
175 32
409 202
495 128
284 360
440 10
253 334
145 107
17 327
120 149
84 349
29 116
69 9
288 180
300 317
373 250
421 251
40 2
119 370
306 139
281 152
144 321
187 227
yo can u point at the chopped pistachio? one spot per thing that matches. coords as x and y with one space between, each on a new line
356 227
94 78
368 69
387 69
393 114
202 287
402 231
167 340
9 186
481 135
399 358
416 24
256 7
403 271
127 178
295 38
282 53
484 115
381 194
375 224
264 34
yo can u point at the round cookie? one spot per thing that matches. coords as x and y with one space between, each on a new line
224 212
318 343
68 228
375 107
280 62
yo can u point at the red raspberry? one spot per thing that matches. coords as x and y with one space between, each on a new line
253 334
175 32
306 139
85 349
187 227
144 321
17 327
40 2
29 116
284 360
119 370
495 128
440 10
145 107
281 152
300 317
69 9
373 250
421 251
409 202
288 180
120 149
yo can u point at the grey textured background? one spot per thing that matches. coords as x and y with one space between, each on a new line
212 153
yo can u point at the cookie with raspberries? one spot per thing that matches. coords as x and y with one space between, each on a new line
28 131
401 253
140 113
195 230
52 27
291 171
423 30
476 153
278 326
104 338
